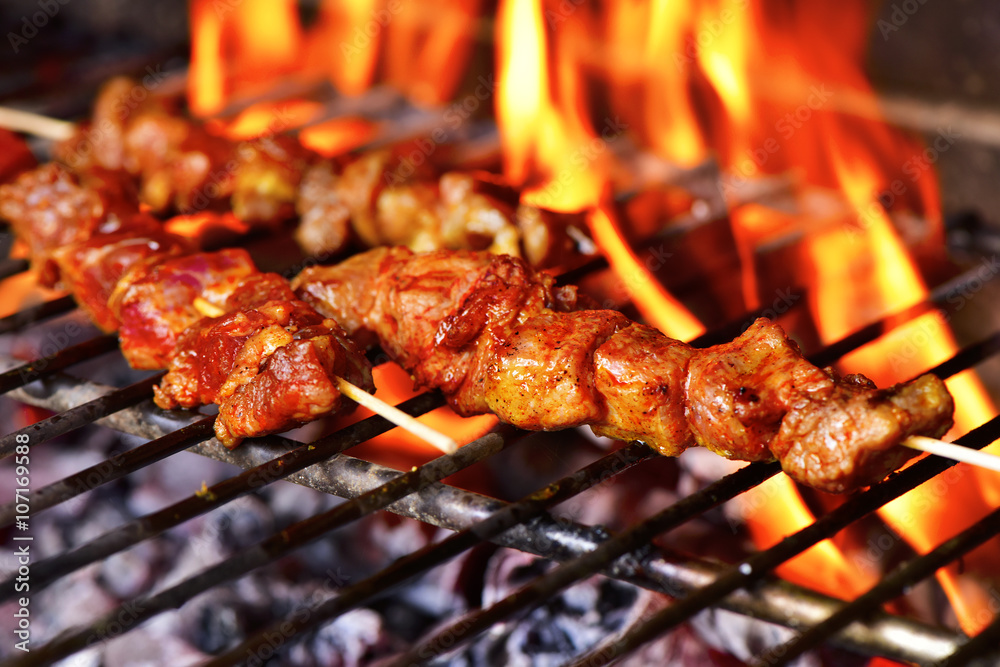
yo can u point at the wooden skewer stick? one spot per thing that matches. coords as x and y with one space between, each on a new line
397 416
360 396
36 124
950 450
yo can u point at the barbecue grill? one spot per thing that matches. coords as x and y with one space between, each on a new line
531 524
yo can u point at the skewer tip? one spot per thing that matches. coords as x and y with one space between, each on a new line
397 417
950 450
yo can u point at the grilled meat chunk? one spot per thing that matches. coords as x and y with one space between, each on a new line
156 304
497 337
92 270
380 198
179 165
52 208
268 368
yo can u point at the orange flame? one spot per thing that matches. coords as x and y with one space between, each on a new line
425 43
401 449
237 44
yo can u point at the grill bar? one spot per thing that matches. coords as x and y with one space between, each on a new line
980 651
33 370
457 509
32 314
46 571
436 554
108 471
82 415
631 540
758 565
297 535
891 586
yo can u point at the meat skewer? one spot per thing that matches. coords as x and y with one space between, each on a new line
377 198
497 337
268 360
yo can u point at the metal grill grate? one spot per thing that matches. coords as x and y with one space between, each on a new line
747 588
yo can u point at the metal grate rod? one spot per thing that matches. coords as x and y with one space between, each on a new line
891 586
300 457
980 651
294 536
81 415
635 538
108 471
39 368
754 568
436 554
32 314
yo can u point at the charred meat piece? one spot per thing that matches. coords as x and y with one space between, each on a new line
497 337
156 304
268 368
52 208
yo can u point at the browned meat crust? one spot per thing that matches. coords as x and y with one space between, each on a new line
181 166
379 199
156 303
268 369
497 337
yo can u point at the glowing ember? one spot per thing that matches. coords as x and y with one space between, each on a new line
337 136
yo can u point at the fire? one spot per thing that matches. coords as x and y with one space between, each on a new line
398 448
425 40
337 136
237 45
771 89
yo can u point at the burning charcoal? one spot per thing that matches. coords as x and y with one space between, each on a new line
142 647
577 619
354 639
218 619
131 572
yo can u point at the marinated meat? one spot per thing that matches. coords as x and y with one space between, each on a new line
157 303
181 166
497 337
379 199
52 208
267 368
92 269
